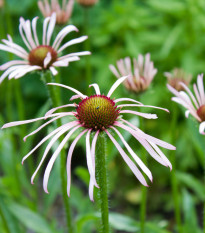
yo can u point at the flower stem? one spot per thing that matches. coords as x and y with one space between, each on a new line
5 224
173 175
55 99
101 175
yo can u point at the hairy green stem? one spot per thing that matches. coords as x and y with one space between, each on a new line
55 99
88 71
101 175
174 184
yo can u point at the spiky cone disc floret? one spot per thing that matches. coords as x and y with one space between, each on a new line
39 56
193 102
141 72
63 13
95 114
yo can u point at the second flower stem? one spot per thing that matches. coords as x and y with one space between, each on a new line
101 176
55 99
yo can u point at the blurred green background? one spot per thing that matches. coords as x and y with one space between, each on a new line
174 33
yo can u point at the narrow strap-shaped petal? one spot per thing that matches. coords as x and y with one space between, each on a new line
51 28
50 144
115 85
43 140
71 42
201 88
63 106
47 60
62 34
22 35
127 99
129 162
96 87
12 63
27 70
146 136
53 158
70 152
34 22
65 62
15 123
202 128
161 154
15 46
136 158
69 88
145 106
84 53
53 70
91 183
13 50
145 115
114 71
197 94
42 126
89 159
45 23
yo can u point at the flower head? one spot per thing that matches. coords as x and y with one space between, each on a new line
38 56
141 73
63 13
1 3
194 103
87 3
95 114
176 77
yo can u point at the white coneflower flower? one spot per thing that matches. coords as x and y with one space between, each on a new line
87 3
141 73
40 56
176 77
195 105
63 13
95 114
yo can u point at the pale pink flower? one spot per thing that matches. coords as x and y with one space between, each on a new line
95 114
194 103
63 13
1 3
141 72
87 3
176 77
38 56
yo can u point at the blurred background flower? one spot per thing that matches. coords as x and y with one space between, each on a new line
63 13
141 72
177 76
87 3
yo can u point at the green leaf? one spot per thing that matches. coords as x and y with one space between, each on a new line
29 218
192 183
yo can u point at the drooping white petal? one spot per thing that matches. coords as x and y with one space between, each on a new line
202 128
71 42
145 115
129 162
53 158
54 139
51 28
70 152
115 85
12 63
53 70
54 109
84 53
136 158
47 60
34 22
14 51
145 106
114 71
127 99
89 159
69 88
45 23
96 87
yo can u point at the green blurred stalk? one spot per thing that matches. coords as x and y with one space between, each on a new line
174 184
87 47
55 99
101 176
5 224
